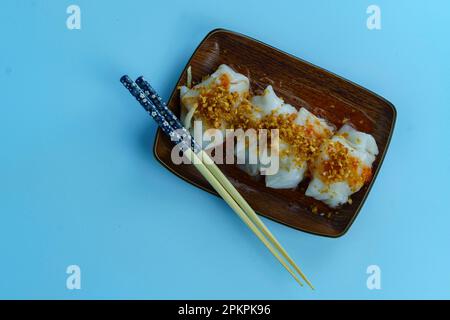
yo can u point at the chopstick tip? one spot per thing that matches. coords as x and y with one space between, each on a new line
125 78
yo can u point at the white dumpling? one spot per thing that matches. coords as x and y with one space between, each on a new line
359 140
238 82
243 150
269 102
366 158
189 102
289 174
319 125
338 192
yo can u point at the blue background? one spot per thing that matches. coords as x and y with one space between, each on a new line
79 183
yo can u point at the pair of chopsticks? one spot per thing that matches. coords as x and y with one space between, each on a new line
171 126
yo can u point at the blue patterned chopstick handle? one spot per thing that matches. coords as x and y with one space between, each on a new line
165 111
159 103
151 109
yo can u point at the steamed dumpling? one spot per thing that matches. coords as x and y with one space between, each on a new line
343 166
264 105
225 76
290 172
268 103
319 126
359 140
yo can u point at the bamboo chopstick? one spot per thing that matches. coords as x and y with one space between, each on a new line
151 93
212 174
252 215
202 168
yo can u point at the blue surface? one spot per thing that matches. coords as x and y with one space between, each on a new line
79 183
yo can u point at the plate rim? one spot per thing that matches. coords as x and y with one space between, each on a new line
381 159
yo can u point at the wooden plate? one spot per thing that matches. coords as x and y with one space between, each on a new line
302 85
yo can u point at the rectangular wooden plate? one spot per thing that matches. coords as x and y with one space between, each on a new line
302 85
